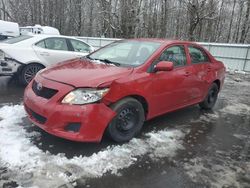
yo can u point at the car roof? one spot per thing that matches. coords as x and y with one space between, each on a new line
41 36
162 40
38 37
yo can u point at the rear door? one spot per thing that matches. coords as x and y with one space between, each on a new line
53 50
202 70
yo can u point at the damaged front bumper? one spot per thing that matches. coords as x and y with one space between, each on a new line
82 123
9 66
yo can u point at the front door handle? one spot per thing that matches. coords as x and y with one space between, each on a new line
187 74
209 69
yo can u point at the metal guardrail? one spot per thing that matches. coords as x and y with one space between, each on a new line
98 42
234 56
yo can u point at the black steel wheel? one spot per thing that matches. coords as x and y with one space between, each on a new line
211 97
128 121
29 72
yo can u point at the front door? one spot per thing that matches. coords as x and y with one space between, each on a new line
53 50
171 88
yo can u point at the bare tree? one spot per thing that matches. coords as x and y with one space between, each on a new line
203 20
231 21
245 27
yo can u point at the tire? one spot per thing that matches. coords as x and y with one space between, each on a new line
128 121
211 97
29 72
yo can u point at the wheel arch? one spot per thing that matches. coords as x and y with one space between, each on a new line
218 83
21 73
139 98
33 62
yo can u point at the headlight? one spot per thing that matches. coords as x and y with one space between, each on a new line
84 96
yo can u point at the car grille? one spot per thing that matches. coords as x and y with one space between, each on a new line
44 92
37 117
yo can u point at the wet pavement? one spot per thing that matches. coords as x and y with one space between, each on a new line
214 150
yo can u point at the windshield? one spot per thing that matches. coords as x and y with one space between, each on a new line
16 39
126 53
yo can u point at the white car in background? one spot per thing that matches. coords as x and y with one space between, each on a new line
27 54
38 29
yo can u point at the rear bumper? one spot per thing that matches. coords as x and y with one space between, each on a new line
54 117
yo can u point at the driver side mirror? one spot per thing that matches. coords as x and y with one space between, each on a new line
164 66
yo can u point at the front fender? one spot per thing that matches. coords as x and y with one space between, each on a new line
129 87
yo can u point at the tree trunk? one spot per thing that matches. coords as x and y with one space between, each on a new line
231 22
236 33
245 24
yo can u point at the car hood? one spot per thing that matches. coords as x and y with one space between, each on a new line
85 73
8 46
4 44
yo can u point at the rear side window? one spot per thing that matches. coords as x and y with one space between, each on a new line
79 46
41 44
175 54
53 44
197 55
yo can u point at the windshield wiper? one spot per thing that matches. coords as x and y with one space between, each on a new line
107 61
87 56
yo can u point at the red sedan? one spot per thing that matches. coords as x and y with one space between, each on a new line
118 87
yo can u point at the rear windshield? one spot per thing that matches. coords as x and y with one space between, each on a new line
16 39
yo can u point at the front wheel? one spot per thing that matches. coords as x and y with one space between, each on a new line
128 120
29 72
211 97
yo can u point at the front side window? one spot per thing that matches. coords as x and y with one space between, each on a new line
41 44
197 55
79 46
175 54
126 52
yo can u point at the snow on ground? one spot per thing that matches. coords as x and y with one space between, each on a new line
223 174
206 117
29 166
26 160
236 108
235 93
232 71
231 167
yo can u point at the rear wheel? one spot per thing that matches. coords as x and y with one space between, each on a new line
128 121
211 97
29 72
